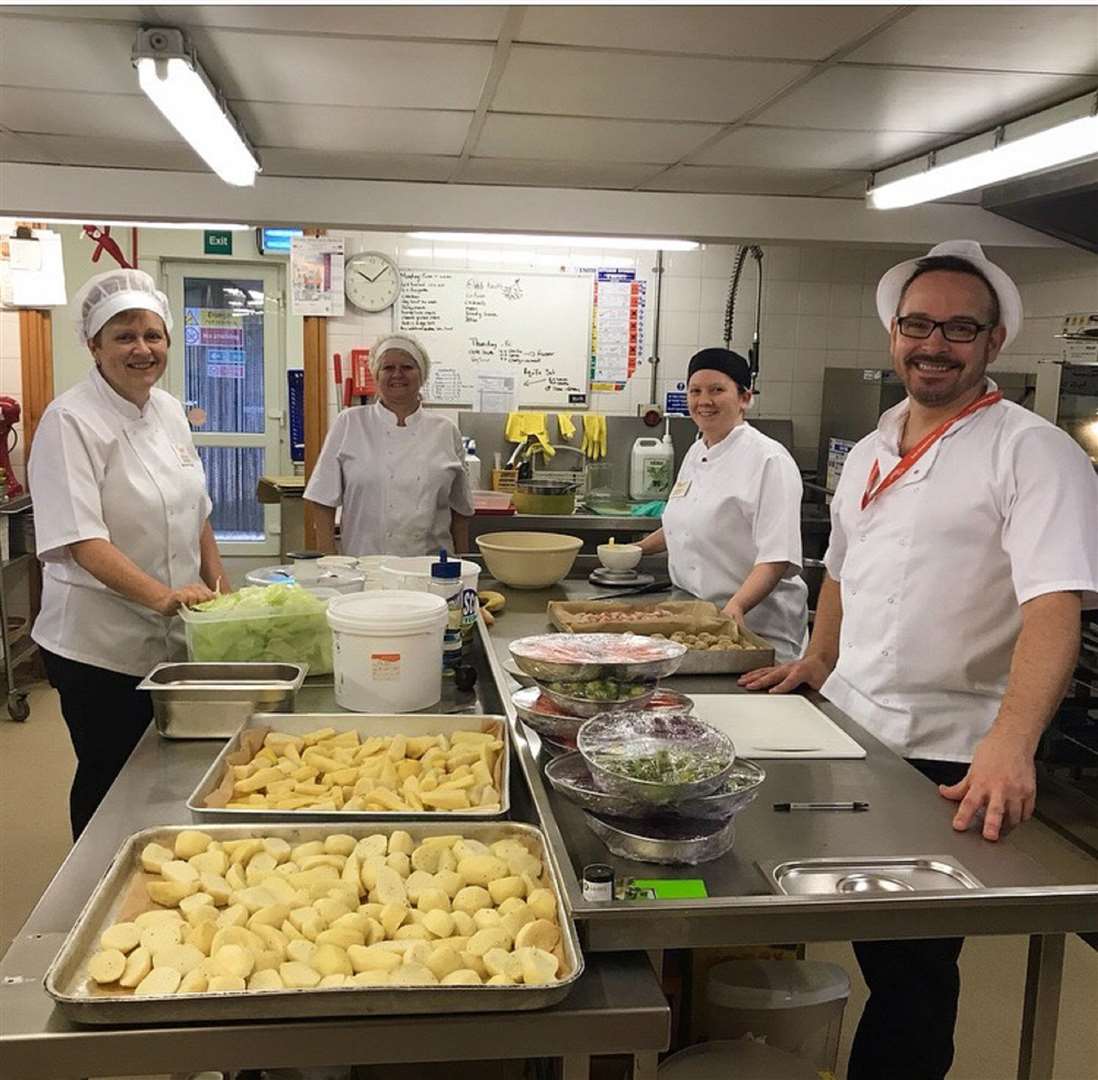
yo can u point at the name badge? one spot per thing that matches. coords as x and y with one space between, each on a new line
680 489
186 458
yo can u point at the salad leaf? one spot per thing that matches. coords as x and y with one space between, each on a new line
273 623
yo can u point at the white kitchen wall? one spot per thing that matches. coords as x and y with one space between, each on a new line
11 382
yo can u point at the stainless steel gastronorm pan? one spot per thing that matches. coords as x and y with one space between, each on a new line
66 979
868 875
211 701
365 724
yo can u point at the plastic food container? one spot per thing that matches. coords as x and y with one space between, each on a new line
529 560
414 574
625 657
547 718
796 1004
387 650
272 636
654 757
341 578
587 706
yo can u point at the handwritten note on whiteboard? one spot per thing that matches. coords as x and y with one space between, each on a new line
535 327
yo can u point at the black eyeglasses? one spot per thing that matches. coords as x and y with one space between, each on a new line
959 331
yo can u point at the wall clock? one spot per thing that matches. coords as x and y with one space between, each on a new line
371 280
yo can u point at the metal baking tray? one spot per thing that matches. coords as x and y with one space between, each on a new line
868 875
365 724
66 980
211 701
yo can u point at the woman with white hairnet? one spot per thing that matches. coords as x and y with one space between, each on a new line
397 471
121 519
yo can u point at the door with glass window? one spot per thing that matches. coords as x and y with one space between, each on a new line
226 358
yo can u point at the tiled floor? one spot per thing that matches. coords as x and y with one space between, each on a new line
36 765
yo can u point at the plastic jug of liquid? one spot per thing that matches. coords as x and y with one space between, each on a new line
473 465
652 467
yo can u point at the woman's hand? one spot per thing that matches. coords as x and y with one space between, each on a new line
734 610
187 596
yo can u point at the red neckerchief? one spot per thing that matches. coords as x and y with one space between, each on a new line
920 448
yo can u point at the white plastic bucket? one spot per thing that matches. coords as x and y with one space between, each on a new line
387 650
370 565
414 573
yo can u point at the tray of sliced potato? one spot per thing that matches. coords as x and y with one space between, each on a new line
348 766
239 922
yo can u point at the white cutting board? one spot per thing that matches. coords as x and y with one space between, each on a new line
775 726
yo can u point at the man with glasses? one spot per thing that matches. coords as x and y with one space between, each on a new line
964 545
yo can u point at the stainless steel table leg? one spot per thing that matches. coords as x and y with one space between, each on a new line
645 1065
576 1067
1044 972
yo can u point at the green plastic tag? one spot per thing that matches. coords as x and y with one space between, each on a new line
665 889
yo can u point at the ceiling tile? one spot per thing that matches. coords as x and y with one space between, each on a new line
119 153
327 127
746 181
65 112
64 55
470 23
795 148
344 71
581 174
589 83
868 99
23 148
1025 38
350 166
524 136
797 32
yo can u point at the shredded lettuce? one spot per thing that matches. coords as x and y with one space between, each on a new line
282 623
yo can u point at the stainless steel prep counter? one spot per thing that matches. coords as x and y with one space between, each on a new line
617 1007
907 817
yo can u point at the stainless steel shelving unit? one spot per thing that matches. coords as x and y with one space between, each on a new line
14 649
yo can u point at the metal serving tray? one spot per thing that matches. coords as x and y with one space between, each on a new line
66 980
868 876
211 701
366 724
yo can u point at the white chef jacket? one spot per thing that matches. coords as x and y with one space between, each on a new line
734 505
101 468
396 485
1001 509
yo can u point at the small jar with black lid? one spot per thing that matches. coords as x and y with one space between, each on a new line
598 882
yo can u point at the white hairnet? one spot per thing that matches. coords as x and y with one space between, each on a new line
105 295
405 344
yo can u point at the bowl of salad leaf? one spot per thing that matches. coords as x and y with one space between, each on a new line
654 757
589 697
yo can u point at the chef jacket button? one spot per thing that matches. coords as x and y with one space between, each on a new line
892 599
886 652
862 539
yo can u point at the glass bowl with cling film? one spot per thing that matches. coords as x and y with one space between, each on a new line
656 757
628 658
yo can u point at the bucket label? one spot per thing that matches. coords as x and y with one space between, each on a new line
385 667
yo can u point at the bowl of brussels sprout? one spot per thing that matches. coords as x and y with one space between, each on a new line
589 697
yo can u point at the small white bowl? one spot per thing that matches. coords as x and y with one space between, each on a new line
619 558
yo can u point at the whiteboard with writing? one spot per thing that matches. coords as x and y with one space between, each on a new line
536 327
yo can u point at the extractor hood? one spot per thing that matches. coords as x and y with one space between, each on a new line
1060 202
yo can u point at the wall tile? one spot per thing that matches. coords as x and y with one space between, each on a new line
812 331
682 263
681 294
851 358
679 327
781 263
872 335
779 331
717 260
806 399
775 399
9 334
780 298
847 266
778 364
846 298
813 298
674 360
810 364
843 332
714 293
711 330
11 375
869 301
816 263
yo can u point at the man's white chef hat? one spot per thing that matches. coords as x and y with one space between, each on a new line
105 295
405 344
1010 300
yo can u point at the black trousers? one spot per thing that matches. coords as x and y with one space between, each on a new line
106 717
906 1029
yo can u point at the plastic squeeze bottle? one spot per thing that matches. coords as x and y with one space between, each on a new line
446 582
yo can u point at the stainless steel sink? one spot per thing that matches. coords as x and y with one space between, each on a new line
868 876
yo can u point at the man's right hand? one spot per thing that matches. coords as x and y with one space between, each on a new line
186 596
785 678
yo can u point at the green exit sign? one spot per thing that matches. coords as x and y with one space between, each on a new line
217 242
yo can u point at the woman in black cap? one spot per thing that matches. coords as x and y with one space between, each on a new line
732 527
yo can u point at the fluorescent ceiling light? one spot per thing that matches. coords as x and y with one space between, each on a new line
1066 133
170 74
119 223
600 243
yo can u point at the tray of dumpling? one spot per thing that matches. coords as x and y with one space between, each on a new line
238 922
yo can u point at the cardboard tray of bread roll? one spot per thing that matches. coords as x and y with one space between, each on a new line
211 799
122 895
698 621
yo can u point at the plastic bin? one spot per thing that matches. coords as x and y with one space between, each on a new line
413 573
264 637
797 1005
744 1059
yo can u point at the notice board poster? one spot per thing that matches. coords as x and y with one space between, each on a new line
617 328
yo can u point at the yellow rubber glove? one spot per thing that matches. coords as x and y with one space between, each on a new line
536 426
565 426
513 431
602 436
590 435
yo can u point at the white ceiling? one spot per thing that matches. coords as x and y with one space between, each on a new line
769 100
